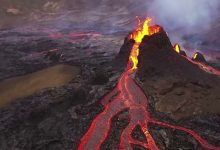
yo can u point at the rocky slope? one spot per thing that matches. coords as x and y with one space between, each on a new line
56 118
183 89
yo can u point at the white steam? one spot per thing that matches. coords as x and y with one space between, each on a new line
189 16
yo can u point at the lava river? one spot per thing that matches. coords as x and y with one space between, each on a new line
128 95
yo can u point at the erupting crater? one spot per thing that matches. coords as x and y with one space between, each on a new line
128 95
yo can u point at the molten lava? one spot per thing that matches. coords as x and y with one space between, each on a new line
195 55
201 65
177 48
142 30
128 95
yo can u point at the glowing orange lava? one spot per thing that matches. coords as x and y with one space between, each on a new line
128 95
195 55
142 30
201 65
177 48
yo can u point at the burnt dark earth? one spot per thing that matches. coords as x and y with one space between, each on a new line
57 118
158 61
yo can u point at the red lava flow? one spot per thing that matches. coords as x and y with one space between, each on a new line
205 67
128 95
201 65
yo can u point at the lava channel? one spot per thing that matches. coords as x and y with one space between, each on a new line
128 95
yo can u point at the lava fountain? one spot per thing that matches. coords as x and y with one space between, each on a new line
128 95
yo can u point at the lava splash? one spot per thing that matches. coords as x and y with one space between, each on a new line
128 95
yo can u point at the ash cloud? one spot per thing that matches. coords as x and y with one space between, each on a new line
185 16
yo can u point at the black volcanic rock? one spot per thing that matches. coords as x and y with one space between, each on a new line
181 88
124 53
199 57
156 53
158 40
54 118
183 53
177 88
54 56
126 48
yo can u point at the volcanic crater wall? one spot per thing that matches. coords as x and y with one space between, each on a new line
181 87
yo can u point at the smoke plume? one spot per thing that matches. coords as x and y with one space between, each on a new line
185 16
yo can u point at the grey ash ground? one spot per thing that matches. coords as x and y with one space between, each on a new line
56 118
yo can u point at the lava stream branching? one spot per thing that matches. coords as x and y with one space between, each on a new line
132 97
128 95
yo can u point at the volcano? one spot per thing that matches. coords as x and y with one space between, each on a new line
150 54
173 74
150 95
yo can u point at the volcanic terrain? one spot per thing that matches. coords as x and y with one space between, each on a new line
144 96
